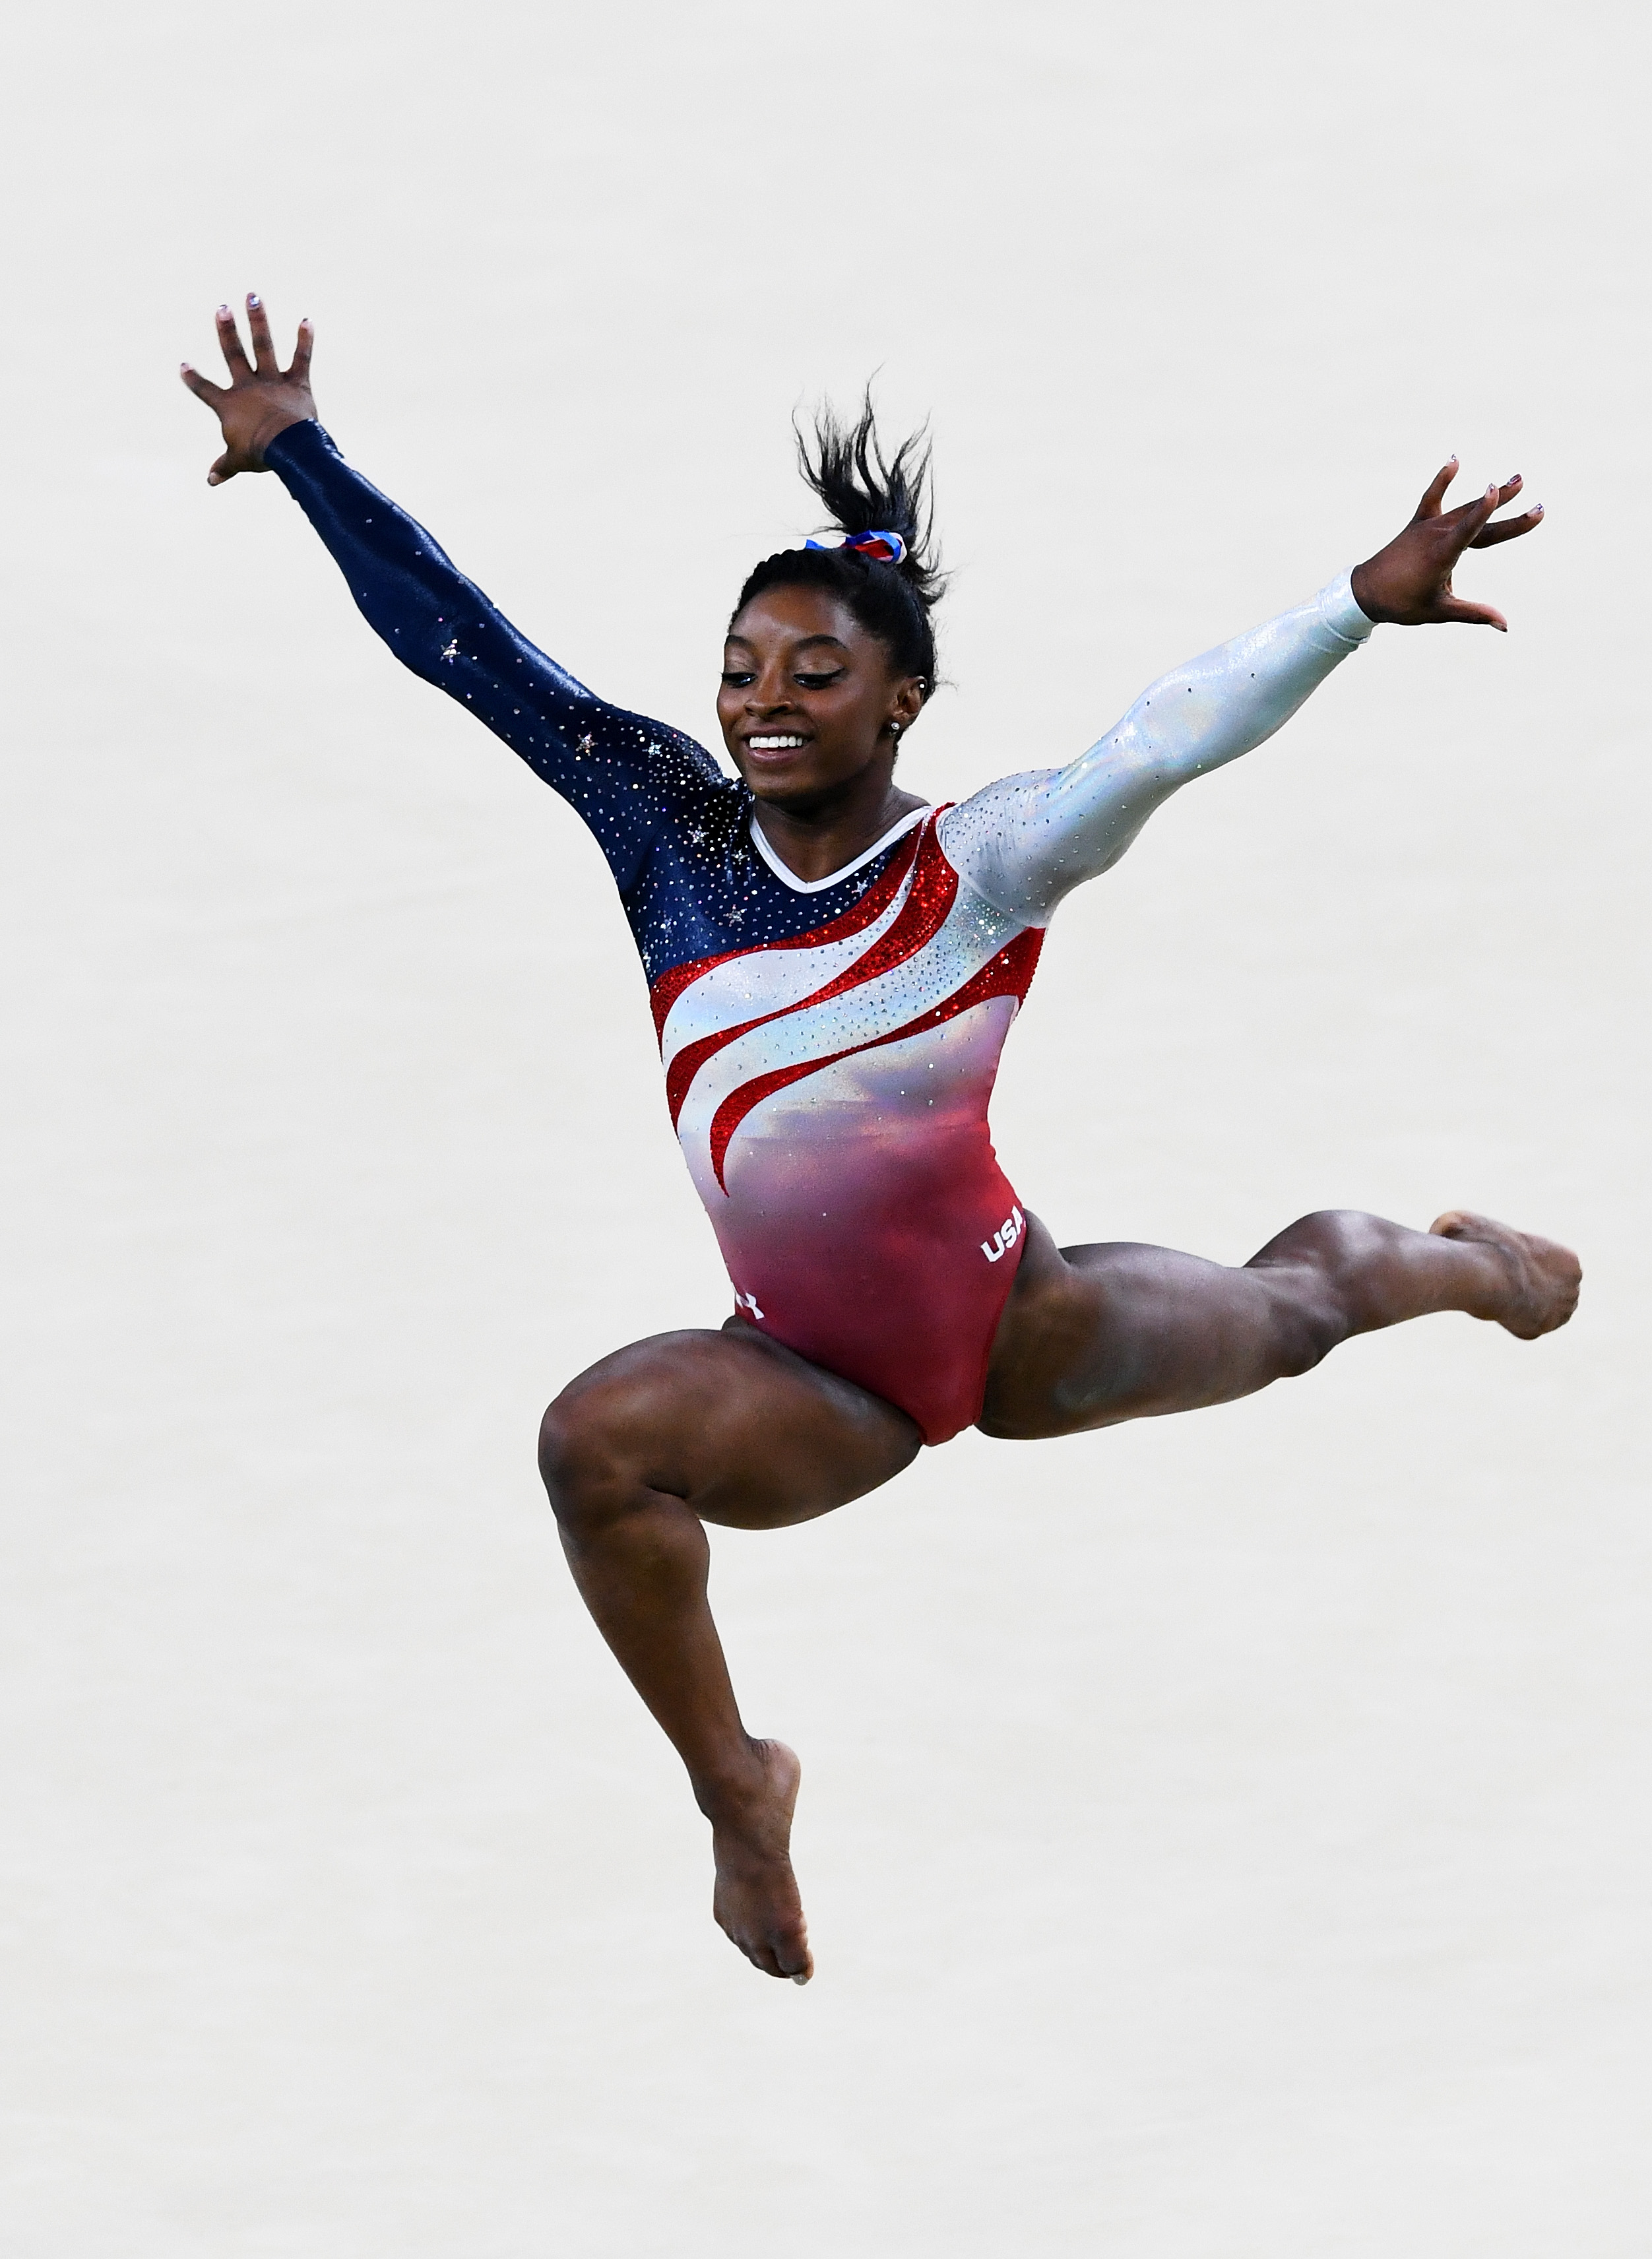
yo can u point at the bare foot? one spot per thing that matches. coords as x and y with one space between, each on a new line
756 1901
1543 1277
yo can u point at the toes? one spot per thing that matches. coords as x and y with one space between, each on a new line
1565 1280
784 1953
781 1951
795 1958
782 1961
1546 1276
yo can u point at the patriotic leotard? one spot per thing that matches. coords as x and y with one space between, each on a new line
829 1047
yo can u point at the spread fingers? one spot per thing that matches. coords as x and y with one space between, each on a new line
1508 528
202 387
263 359
302 351
1429 506
234 353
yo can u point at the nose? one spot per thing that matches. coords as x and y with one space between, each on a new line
771 694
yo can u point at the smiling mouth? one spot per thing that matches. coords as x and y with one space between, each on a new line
775 744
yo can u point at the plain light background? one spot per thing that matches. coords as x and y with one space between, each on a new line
1223 1839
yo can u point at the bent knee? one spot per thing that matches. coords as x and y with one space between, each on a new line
571 1452
598 1468
597 1435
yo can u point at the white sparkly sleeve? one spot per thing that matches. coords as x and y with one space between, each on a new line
1028 840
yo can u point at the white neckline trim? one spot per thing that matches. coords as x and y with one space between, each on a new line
908 822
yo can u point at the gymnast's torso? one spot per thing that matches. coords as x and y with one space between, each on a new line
829 1089
829 1046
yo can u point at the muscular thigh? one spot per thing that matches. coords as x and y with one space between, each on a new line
751 1435
1092 1335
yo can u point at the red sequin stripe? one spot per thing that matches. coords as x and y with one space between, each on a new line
873 903
1008 974
922 914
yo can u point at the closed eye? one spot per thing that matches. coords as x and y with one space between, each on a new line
735 679
819 681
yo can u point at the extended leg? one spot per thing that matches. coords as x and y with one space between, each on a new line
1095 1335
637 1454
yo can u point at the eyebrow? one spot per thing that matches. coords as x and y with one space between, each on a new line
802 643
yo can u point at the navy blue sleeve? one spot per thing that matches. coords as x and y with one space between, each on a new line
617 769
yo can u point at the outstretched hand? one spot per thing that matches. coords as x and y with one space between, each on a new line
261 398
1410 581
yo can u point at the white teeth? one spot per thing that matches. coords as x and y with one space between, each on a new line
775 744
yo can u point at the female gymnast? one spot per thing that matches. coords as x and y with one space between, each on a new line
834 965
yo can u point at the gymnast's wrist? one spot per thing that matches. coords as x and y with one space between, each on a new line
1359 587
270 429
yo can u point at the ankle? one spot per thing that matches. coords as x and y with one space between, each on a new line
739 1788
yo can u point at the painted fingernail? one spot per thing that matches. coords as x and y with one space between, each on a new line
223 310
253 298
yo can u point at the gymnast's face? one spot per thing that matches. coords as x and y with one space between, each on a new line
809 701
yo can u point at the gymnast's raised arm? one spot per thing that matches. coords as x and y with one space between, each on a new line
611 766
1026 841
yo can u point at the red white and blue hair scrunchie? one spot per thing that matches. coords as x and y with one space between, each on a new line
882 548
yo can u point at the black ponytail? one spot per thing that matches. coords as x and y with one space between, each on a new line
866 492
